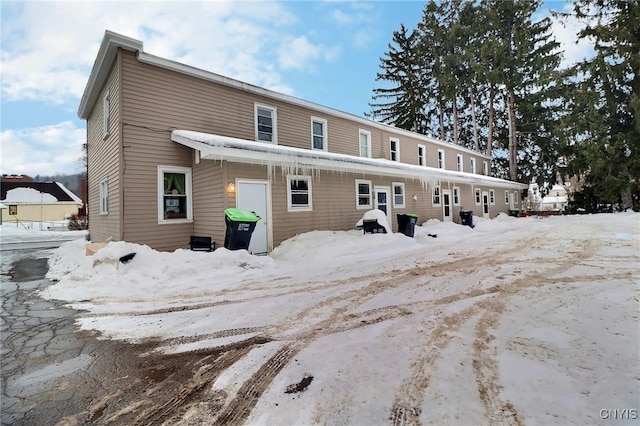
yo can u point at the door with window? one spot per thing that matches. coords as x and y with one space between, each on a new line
381 201
253 195
485 205
446 206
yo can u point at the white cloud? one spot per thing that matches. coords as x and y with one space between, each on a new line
566 33
42 150
52 62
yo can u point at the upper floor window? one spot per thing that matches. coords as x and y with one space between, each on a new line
365 143
441 158
104 196
436 195
299 193
472 165
459 162
266 124
398 194
394 149
174 194
363 194
105 114
422 155
485 168
319 133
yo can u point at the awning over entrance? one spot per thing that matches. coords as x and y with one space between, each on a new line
297 160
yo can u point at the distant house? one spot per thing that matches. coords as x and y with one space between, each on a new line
170 147
28 201
556 200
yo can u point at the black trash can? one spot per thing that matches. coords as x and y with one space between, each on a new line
466 217
407 223
240 226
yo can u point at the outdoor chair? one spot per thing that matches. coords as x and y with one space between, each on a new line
201 243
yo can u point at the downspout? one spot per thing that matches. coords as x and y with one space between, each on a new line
121 160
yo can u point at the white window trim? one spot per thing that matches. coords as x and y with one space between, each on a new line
368 133
477 196
104 196
106 114
397 151
441 159
422 161
506 197
189 193
296 208
325 133
456 194
460 162
492 197
433 196
472 162
515 198
274 118
393 195
485 168
367 206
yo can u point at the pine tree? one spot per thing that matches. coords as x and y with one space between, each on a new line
406 98
605 102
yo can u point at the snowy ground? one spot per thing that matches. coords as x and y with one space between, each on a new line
518 321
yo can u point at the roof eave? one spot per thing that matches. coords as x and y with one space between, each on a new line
234 150
101 67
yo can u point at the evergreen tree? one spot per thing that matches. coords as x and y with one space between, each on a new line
405 99
605 100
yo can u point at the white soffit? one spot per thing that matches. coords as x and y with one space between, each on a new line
217 147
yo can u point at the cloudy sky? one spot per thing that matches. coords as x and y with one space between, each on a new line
322 51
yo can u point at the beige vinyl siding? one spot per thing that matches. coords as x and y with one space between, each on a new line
104 162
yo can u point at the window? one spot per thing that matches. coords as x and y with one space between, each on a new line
436 195
394 148
472 165
365 143
506 197
515 198
105 114
485 168
299 193
318 133
174 194
363 194
441 159
478 199
104 196
459 163
456 196
13 209
266 129
492 197
398 194
422 155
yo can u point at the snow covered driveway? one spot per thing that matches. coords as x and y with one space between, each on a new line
518 321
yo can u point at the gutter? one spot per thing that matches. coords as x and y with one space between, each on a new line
217 147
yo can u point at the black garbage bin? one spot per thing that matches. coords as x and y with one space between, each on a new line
407 223
466 217
240 226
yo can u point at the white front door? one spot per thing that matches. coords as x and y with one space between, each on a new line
446 206
485 205
381 201
253 195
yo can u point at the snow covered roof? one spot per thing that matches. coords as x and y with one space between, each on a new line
298 160
554 200
36 193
